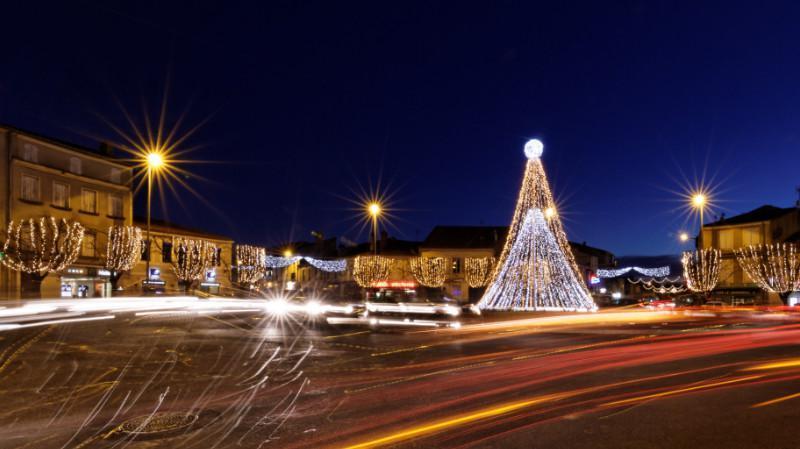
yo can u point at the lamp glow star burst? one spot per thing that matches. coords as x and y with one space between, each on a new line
536 269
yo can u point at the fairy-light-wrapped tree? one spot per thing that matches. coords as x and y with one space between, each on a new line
775 268
40 247
192 259
701 269
250 264
430 271
370 269
478 270
536 269
123 251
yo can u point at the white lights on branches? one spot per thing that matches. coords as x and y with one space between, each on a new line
370 269
536 269
775 268
124 248
658 272
250 266
478 270
193 258
430 271
701 269
42 246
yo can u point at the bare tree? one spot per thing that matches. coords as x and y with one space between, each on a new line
701 269
250 264
123 251
40 247
193 258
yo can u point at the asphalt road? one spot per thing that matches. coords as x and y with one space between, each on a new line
243 378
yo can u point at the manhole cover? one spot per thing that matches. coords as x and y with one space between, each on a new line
156 424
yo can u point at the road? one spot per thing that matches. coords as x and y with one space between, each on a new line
245 378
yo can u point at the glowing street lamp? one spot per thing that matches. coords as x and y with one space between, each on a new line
374 209
684 237
699 202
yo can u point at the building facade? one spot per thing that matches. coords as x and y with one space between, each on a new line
44 177
162 278
765 225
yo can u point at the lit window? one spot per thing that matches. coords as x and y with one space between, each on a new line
89 201
456 265
60 195
30 153
116 175
89 245
30 188
726 239
751 236
115 206
75 165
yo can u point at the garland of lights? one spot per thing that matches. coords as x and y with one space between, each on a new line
657 286
42 246
250 266
370 269
775 268
478 270
536 269
429 271
701 269
193 258
331 266
124 246
652 272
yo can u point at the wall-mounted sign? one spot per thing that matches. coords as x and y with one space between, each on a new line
594 280
155 273
394 284
103 272
211 275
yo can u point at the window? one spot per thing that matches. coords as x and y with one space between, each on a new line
89 244
456 265
89 201
30 188
145 250
218 258
726 239
166 251
116 175
115 206
30 153
61 195
75 165
751 236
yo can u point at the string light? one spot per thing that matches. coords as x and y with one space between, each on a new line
659 272
194 257
701 269
657 286
536 269
478 270
330 266
370 269
250 266
123 250
775 268
430 271
42 246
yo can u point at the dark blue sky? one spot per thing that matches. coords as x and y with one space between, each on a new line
310 99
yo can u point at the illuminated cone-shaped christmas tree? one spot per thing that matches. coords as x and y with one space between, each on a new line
536 270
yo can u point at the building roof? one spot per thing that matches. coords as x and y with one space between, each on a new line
387 246
466 237
166 227
763 213
95 152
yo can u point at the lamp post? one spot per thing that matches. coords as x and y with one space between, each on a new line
153 161
374 209
699 202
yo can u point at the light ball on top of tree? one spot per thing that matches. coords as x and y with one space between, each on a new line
534 149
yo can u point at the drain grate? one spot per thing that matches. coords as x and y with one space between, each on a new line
159 423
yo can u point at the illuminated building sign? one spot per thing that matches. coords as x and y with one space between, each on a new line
155 273
394 284
594 280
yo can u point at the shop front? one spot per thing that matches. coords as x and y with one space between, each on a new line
85 282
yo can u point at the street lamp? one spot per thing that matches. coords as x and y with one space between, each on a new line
154 161
684 237
374 209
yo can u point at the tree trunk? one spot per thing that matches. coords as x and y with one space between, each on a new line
114 280
31 285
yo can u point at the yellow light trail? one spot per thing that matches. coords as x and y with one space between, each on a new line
776 400
483 414
679 391
792 363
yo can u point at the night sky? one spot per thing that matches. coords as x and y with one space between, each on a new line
309 101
